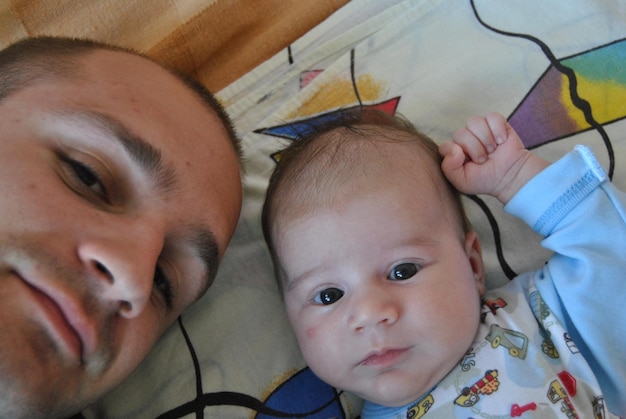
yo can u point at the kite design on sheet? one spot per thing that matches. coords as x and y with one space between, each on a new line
575 94
297 129
331 100
600 79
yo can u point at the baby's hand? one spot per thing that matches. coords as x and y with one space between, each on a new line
488 157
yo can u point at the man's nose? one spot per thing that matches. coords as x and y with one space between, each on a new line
123 261
373 307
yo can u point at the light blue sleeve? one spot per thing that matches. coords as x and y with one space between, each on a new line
582 218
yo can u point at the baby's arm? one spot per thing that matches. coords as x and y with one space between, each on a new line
582 218
488 157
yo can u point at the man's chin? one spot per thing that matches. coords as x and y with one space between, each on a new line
18 406
29 391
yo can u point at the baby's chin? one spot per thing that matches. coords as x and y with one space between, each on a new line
391 392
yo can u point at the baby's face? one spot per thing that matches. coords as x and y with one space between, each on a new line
382 291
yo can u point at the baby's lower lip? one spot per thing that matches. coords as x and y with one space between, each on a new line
384 358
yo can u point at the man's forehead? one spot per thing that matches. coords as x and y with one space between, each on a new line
93 58
126 76
150 101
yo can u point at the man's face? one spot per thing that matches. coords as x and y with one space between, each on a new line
102 243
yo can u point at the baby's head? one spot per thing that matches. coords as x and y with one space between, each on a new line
380 271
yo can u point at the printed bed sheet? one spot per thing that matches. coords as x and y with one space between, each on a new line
556 70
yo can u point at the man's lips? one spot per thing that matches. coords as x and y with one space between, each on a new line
385 357
67 323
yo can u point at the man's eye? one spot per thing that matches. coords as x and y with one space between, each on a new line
328 296
403 271
164 286
86 176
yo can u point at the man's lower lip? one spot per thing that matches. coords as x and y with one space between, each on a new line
56 321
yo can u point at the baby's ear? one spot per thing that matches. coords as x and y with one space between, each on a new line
475 256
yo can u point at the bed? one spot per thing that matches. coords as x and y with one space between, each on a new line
556 70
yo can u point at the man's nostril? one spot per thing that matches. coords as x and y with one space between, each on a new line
104 270
126 307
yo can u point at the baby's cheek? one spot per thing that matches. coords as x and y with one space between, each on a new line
316 338
307 332
314 345
311 332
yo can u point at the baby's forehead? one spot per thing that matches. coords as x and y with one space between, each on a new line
388 153
368 136
342 168
369 146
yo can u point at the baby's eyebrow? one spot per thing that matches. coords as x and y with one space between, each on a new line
146 155
294 282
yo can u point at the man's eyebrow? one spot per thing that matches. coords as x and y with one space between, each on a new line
204 243
147 156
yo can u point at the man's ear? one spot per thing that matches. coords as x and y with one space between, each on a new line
475 256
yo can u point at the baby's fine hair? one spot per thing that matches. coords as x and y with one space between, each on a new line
314 169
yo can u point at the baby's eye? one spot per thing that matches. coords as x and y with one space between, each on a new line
403 271
328 296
